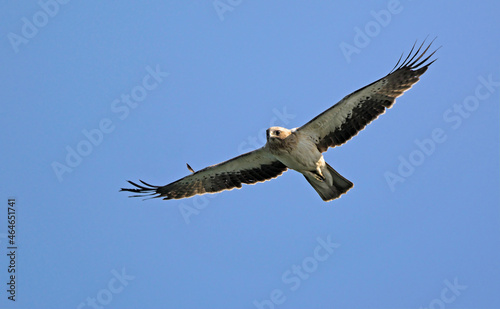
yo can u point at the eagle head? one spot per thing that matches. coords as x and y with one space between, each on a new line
277 133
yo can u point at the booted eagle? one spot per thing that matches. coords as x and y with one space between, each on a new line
301 149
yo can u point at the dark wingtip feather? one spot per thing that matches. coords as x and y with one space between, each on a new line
413 59
144 190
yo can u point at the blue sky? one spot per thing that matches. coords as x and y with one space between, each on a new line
96 93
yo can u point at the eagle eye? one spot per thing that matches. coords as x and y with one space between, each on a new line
277 132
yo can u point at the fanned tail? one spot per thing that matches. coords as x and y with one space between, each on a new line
332 187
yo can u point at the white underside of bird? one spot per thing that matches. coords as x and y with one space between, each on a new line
299 152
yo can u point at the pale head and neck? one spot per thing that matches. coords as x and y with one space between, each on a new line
279 138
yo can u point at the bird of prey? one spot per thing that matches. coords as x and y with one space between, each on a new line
301 149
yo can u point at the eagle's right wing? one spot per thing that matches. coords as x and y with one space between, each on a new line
345 119
255 166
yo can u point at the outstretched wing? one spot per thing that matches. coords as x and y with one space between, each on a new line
255 166
345 119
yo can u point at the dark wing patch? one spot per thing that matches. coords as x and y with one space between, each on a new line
345 119
249 168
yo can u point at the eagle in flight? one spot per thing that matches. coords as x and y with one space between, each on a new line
301 149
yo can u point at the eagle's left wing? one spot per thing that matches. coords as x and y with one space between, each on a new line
255 166
345 119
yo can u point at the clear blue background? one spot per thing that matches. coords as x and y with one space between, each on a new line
228 74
